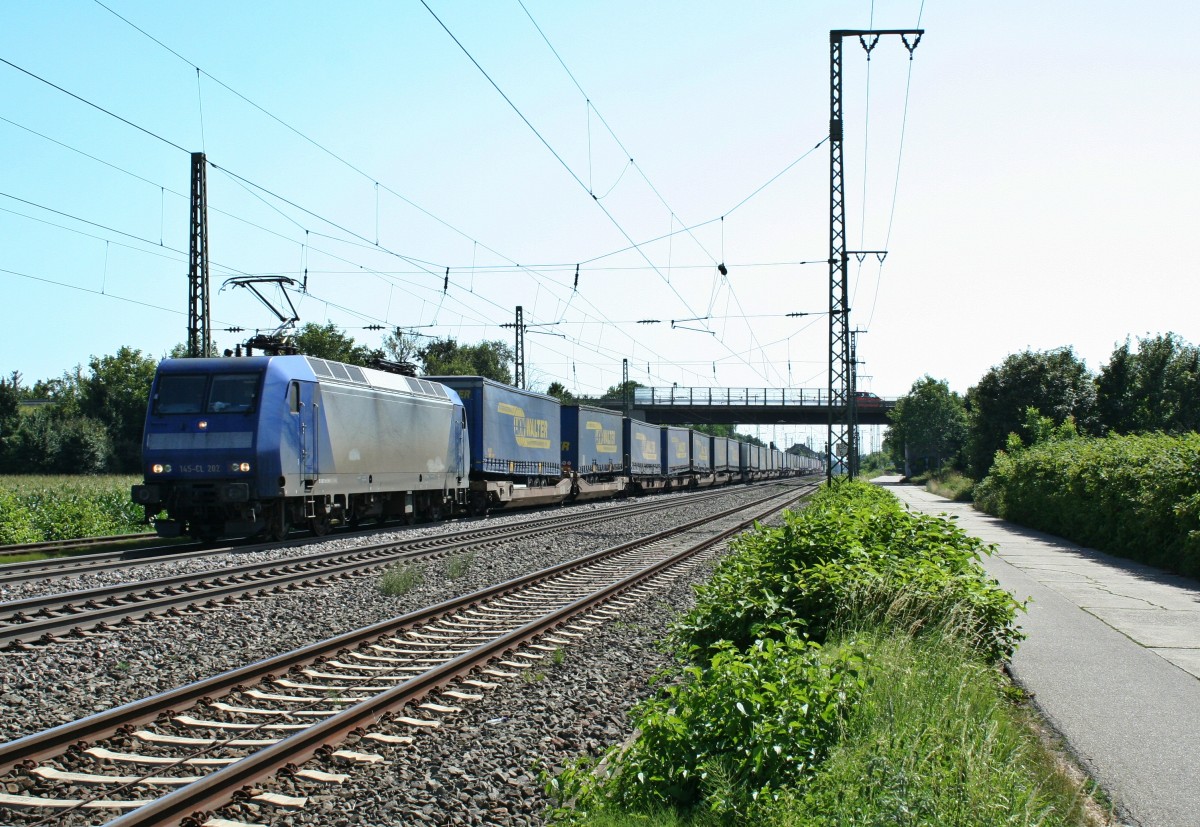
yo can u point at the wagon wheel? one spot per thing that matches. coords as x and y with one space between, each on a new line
320 525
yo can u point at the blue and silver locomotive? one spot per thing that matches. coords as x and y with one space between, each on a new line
260 444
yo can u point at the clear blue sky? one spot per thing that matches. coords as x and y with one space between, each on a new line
1045 194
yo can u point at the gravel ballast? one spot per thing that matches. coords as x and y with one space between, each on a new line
478 770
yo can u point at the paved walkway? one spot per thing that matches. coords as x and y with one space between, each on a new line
1112 659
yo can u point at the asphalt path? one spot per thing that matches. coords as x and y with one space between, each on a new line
1112 659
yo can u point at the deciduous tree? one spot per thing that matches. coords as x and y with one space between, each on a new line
329 342
1056 382
446 357
559 391
116 395
1155 387
929 426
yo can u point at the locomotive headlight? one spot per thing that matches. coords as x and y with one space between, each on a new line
244 467
202 424
159 468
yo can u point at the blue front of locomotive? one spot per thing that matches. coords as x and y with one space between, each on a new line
211 452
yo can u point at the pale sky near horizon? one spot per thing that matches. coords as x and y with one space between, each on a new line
1037 190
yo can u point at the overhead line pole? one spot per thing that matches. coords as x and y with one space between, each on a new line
199 339
839 445
519 355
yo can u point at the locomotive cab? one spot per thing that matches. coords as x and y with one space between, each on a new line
199 450
256 445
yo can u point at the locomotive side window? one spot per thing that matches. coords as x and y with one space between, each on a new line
294 397
180 394
233 393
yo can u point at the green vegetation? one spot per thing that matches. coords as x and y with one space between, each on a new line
38 508
929 427
328 341
1134 496
872 465
932 741
855 545
838 670
1056 382
948 483
80 423
446 357
459 565
400 579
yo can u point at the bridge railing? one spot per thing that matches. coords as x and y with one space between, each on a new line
737 398
730 397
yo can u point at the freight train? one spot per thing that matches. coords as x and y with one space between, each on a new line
259 445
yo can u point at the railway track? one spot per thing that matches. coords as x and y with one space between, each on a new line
53 546
27 571
47 619
221 740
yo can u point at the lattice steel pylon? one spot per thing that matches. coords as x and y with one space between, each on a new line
199 340
840 447
519 353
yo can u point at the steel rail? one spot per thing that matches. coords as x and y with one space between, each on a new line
71 612
27 571
79 542
188 804
54 741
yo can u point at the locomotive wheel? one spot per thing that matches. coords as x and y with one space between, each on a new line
204 534
278 527
320 525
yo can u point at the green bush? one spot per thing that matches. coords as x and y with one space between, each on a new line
855 553
734 731
1134 496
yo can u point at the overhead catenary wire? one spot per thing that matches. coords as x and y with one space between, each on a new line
96 106
367 245
355 168
308 139
560 159
645 177
896 183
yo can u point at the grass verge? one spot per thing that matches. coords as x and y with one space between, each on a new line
840 669
935 739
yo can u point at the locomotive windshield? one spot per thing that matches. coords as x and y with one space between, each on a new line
233 393
180 394
195 393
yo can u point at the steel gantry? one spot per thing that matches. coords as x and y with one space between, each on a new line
841 449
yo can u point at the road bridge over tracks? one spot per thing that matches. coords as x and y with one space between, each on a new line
748 406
